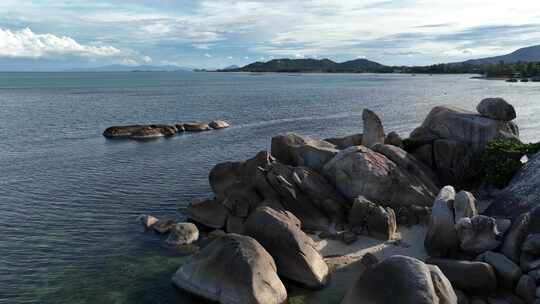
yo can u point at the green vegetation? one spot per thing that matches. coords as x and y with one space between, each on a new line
502 159
508 70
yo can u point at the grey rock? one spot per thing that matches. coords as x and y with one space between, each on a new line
464 205
404 278
461 296
210 213
394 139
367 218
477 234
526 289
294 251
514 239
532 244
345 142
537 293
218 124
295 150
478 301
235 224
475 278
232 269
373 129
359 171
441 236
503 225
147 220
349 237
183 234
508 273
535 274
196 127
164 225
140 131
424 153
369 260
496 108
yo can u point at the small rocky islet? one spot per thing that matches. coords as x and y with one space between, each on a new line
150 131
270 213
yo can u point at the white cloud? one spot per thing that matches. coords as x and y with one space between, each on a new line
207 55
129 61
147 59
27 44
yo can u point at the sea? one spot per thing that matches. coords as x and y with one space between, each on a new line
70 198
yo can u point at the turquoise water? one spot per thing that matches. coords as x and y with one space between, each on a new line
69 198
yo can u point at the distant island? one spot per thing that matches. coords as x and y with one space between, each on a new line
523 63
132 68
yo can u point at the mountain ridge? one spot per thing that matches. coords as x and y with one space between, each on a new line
310 65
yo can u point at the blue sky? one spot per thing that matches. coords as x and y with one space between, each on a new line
61 34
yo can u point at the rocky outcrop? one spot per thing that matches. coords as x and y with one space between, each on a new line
441 236
196 127
496 108
474 278
404 280
521 194
295 150
183 234
292 249
232 269
218 124
367 218
373 129
394 139
140 131
345 142
359 171
452 141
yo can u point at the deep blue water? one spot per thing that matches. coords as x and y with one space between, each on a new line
69 198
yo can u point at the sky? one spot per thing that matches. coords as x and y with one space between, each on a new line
63 34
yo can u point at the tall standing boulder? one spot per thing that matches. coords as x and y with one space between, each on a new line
294 251
496 108
232 269
441 236
464 205
359 171
373 129
295 150
404 280
511 246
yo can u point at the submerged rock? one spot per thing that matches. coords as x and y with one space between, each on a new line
294 251
496 108
164 225
147 220
232 269
196 127
183 234
218 124
373 129
140 131
404 280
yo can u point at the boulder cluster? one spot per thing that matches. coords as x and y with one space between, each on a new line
161 130
266 208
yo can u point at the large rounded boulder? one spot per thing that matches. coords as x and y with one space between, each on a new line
496 108
232 269
294 251
296 150
404 280
360 171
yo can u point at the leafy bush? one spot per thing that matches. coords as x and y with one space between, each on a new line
502 159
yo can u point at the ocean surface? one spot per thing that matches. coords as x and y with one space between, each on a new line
69 198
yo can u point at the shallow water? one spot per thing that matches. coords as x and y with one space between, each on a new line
69 198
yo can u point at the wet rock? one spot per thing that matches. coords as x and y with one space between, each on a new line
295 150
294 251
496 108
526 289
183 234
394 139
147 220
196 127
475 278
164 225
514 239
140 131
464 205
508 273
478 234
210 213
441 237
532 244
232 269
404 280
345 142
359 171
218 124
373 129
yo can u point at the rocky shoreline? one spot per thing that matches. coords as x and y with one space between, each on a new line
371 217
150 131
